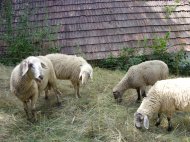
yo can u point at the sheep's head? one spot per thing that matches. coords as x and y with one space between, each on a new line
34 67
86 73
117 96
141 120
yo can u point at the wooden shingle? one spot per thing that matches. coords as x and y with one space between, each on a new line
101 27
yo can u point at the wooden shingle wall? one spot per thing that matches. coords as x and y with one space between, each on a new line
100 27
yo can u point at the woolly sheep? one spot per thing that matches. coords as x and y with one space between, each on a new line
71 67
139 76
29 78
166 96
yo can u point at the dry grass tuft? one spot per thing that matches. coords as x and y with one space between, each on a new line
95 117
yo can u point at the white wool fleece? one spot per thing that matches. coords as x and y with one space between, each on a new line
142 75
167 96
73 68
31 77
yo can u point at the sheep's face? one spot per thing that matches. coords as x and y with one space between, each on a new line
117 96
34 67
141 120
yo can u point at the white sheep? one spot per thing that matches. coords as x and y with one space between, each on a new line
29 78
166 96
73 68
139 76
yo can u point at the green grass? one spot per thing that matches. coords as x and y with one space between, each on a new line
93 118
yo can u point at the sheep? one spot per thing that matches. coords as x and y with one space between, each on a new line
73 68
166 96
30 78
139 76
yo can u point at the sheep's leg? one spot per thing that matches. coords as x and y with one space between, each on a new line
76 87
158 121
33 106
46 94
138 94
26 109
78 93
48 88
143 93
58 93
170 127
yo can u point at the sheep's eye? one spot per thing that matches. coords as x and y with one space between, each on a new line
30 65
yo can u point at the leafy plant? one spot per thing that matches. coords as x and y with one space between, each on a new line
169 9
24 38
127 57
160 52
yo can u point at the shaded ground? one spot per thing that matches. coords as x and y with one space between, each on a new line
95 117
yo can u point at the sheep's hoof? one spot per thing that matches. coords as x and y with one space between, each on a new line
46 97
28 119
170 129
59 104
144 95
138 101
78 96
157 124
119 100
32 120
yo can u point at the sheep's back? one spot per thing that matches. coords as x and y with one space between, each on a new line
173 93
66 66
151 71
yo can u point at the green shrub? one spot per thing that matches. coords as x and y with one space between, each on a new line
124 60
173 59
24 39
127 58
184 68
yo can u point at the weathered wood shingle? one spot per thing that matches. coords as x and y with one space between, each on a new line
100 27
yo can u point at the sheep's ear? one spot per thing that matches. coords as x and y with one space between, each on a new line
43 65
24 67
91 75
82 76
146 122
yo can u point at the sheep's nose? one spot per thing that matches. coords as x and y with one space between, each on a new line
115 96
41 77
138 127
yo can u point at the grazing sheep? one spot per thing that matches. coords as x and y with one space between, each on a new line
71 67
29 78
166 96
139 76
